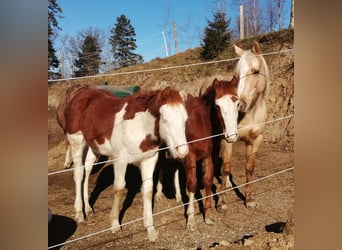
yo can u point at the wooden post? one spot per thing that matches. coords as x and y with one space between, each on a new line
242 27
62 65
175 37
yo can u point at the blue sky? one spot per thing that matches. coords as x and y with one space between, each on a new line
149 19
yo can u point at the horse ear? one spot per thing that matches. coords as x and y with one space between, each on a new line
235 79
256 49
166 92
215 82
238 50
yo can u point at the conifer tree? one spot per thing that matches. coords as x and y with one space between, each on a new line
53 63
123 44
216 36
88 62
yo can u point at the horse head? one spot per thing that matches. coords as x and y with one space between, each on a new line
226 102
253 75
172 122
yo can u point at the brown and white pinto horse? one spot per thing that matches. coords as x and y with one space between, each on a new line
129 130
69 94
253 85
215 112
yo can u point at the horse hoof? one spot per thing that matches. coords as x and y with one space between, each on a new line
89 211
79 218
251 204
222 208
158 197
209 222
152 234
178 199
191 227
115 227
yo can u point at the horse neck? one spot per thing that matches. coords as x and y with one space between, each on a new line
208 99
148 101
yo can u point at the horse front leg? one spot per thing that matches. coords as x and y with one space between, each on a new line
147 168
208 169
191 186
226 155
251 150
120 168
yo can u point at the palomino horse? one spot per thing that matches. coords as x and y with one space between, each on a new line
253 86
129 130
215 112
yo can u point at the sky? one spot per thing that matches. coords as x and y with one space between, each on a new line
150 19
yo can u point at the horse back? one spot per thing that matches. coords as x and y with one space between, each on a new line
92 111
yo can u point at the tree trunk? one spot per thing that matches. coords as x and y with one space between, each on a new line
292 15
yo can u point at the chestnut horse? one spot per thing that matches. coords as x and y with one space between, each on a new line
215 112
253 85
129 130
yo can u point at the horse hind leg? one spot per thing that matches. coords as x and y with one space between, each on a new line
159 192
226 155
77 145
177 187
68 157
89 162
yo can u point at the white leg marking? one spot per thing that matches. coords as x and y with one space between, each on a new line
147 167
77 144
68 158
90 160
191 224
120 167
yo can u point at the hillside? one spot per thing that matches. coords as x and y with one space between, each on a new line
190 79
238 227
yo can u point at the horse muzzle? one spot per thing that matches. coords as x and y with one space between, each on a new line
242 105
232 137
180 152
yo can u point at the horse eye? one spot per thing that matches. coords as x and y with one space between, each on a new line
256 72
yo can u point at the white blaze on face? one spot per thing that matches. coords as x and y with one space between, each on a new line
172 128
229 113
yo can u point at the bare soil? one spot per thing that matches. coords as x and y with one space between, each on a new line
269 226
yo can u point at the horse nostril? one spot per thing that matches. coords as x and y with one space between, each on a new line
242 105
182 151
232 137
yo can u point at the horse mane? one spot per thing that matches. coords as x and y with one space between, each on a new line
152 100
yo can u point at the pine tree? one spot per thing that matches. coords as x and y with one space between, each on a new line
53 63
123 44
88 62
216 36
